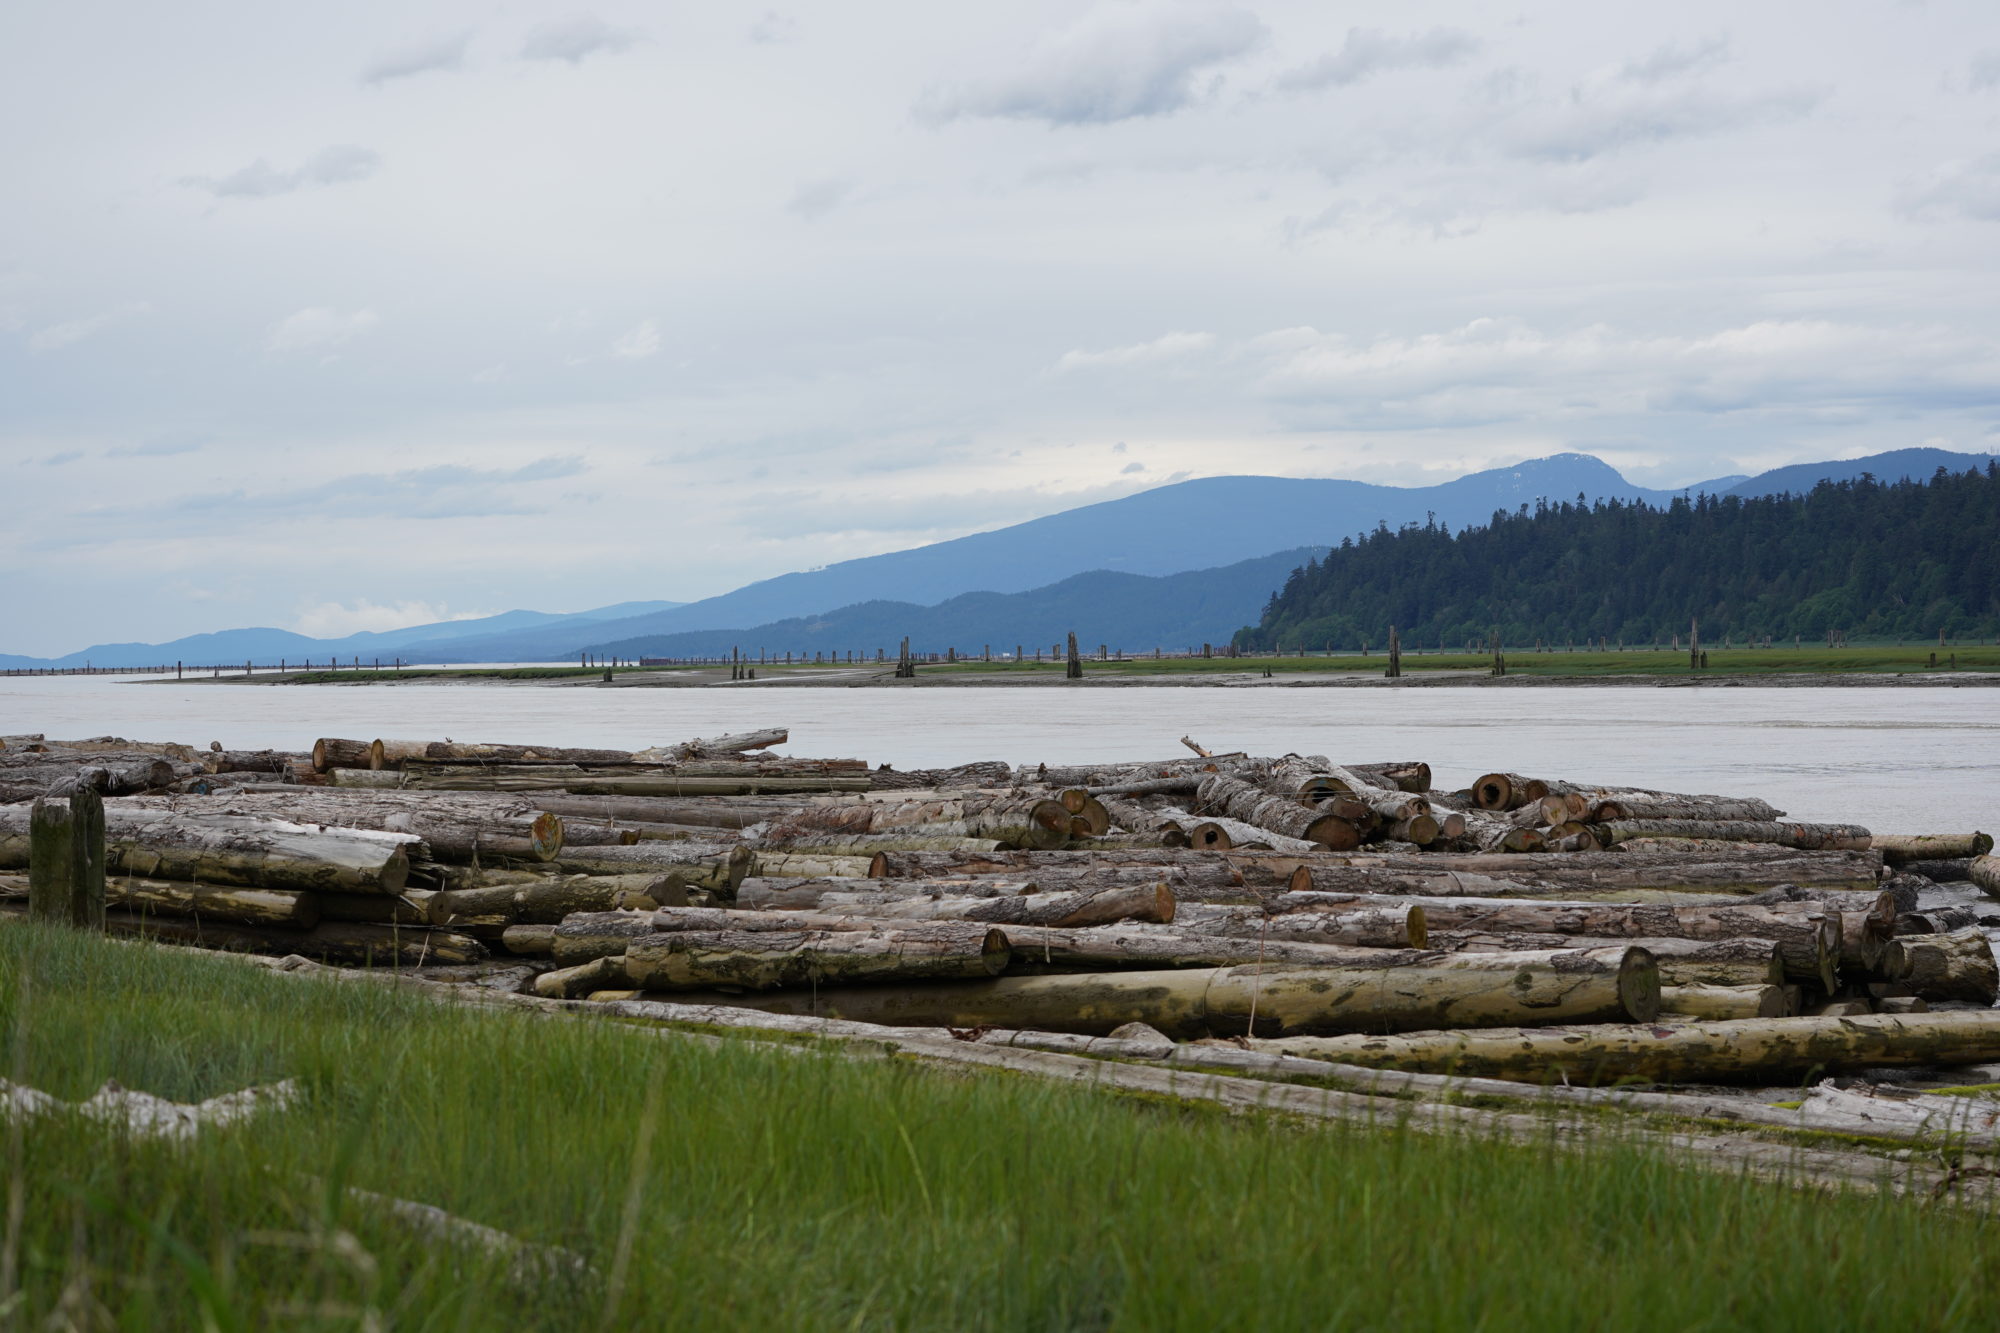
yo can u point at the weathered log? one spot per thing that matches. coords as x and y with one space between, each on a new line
1958 871
409 907
349 942
639 780
1506 791
1736 962
235 849
67 860
1040 950
1550 876
398 754
1460 989
716 866
329 753
529 941
930 865
584 936
248 761
453 826
1253 805
953 837
732 812
1389 926
1221 833
567 983
1803 837
1760 1050
770 960
1715 1003
1902 848
1601 806
1985 872
1958 966
732 743
1131 902
549 902
60 773
812 865
255 907
1410 775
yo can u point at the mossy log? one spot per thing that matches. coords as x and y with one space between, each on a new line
1803 837
254 907
1576 986
771 960
1899 849
1253 805
236 849
1717 1003
1957 966
1751 1050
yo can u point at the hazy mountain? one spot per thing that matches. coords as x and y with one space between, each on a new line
1896 465
1135 612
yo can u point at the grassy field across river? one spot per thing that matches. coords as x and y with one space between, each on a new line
733 1185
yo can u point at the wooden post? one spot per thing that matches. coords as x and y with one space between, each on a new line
1395 654
1499 661
1694 645
66 860
1074 669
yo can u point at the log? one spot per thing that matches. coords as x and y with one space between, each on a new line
529 941
931 865
1939 872
1754 1050
453 826
1714 1003
1133 902
770 960
1549 877
804 865
715 866
1671 805
1957 966
1506 791
732 812
1253 805
584 936
255 907
1738 962
353 943
66 860
235 849
1039 950
549 902
1899 849
1465 989
400 754
1985 872
1389 926
58 773
1804 837
567 983
640 780
732 743
1221 833
329 753
411 907
248 761
1409 775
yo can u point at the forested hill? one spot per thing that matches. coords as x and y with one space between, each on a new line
1874 561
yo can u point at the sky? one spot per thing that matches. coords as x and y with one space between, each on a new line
352 316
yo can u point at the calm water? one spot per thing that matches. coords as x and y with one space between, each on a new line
1907 760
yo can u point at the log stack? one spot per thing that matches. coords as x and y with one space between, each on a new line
1292 899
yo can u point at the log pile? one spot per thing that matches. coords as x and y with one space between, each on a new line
1342 911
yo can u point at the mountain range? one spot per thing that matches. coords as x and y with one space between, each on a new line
1212 524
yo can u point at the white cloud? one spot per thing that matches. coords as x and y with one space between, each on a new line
574 38
318 328
76 330
1963 189
337 165
1370 51
815 199
773 28
1166 347
1673 60
1118 62
337 620
638 342
438 53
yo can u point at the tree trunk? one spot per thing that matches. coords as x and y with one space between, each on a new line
770 960
1254 805
707 865
1958 966
734 743
255 907
235 849
1443 990
1536 877
584 936
638 780
400 754
1900 849
349 942
1387 926
732 812
1753 1050
329 753
1220 833
1714 1003
1133 902
455 827
1506 791
598 974
1985 872
1804 837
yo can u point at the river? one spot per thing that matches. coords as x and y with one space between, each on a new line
1903 760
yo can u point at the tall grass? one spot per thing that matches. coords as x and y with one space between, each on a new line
804 1190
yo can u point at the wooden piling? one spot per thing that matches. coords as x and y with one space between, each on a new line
66 860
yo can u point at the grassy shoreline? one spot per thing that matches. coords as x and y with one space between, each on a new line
744 1186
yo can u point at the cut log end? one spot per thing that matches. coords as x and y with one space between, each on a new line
1639 985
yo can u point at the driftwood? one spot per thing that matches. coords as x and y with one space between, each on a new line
453 826
1900 849
235 849
1804 837
256 907
1764 1050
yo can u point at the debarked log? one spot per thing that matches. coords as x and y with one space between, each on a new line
236 849
216 902
769 960
1899 849
1759 1050
1716 1003
454 826
1576 986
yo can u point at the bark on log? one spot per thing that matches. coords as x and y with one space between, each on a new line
1253 805
454 827
1716 1003
529 941
955 837
1410 775
1902 848
410 907
1546 877
584 936
1039 950
731 812
1958 966
1132 902
1738 962
1462 989
639 780
1389 926
233 849
1939 872
933 865
813 865
398 754
1506 791
732 743
1803 837
771 960
567 983
550 902
248 761
706 865
1763 1050
1985 872
1220 833
330 753
255 907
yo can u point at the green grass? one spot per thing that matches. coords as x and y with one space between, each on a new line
802 1190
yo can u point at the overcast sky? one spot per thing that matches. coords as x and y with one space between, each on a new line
341 317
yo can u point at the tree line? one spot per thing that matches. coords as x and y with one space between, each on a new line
1858 559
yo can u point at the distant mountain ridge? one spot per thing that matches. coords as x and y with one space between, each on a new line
1206 524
